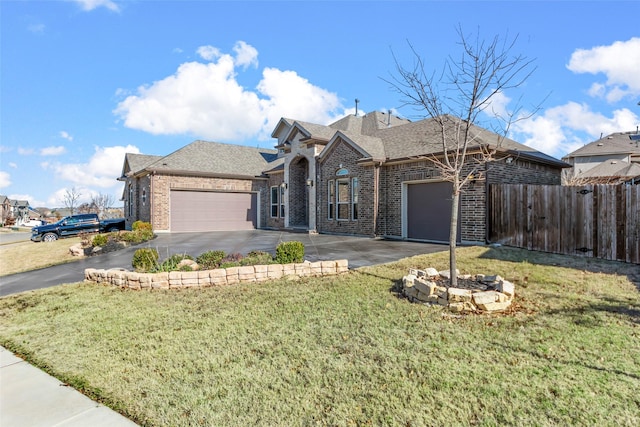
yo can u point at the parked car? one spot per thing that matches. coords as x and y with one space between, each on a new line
73 225
33 223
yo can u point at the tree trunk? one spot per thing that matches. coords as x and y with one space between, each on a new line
453 236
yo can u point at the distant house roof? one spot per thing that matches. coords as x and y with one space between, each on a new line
611 172
616 143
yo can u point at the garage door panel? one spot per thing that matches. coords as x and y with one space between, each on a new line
213 211
429 211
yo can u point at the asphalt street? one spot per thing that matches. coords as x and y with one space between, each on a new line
360 251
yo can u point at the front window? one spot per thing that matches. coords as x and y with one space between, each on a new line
354 198
342 199
274 202
144 197
331 192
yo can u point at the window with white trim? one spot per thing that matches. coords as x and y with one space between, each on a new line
342 199
281 201
275 201
354 198
144 197
331 196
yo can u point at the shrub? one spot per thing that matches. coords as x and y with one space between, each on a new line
231 260
137 236
210 259
141 226
145 259
171 263
288 252
100 240
257 258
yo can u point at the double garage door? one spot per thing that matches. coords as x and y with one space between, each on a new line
213 211
429 211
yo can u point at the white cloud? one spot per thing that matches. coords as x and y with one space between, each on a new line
26 151
53 151
5 179
208 52
13 165
619 62
246 55
101 170
65 135
89 5
562 129
206 100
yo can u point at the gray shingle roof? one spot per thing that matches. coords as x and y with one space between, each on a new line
612 169
616 143
137 162
217 158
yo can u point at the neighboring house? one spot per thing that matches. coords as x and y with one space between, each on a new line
369 175
20 211
5 209
614 159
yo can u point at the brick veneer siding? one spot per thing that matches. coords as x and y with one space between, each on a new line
298 192
275 180
162 184
473 200
345 155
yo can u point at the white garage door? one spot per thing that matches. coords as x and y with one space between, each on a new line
211 211
429 211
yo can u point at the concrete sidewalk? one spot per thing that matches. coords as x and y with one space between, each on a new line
30 397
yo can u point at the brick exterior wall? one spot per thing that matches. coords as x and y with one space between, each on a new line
345 155
161 186
275 180
473 200
298 193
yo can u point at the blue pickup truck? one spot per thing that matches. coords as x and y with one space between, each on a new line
73 225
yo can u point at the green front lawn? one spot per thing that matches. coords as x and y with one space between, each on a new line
347 351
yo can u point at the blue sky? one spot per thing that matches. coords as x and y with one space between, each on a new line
84 81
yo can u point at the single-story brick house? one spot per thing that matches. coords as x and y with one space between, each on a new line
365 175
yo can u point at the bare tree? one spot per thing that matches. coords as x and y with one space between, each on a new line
71 199
102 202
455 99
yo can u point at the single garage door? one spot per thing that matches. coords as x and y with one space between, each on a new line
429 211
211 211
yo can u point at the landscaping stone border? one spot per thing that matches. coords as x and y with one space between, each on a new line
420 286
218 277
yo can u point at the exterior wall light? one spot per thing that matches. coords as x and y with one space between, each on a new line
309 183
283 185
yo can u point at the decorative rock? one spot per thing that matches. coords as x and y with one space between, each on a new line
408 280
495 306
431 272
427 288
446 274
458 295
76 250
189 263
441 291
485 297
506 288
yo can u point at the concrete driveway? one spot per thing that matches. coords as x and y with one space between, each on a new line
360 251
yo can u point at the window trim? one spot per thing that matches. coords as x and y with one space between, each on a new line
331 191
354 197
281 201
274 203
339 182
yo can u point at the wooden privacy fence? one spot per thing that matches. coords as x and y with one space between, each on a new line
601 221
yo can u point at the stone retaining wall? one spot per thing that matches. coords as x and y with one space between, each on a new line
218 277
483 294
